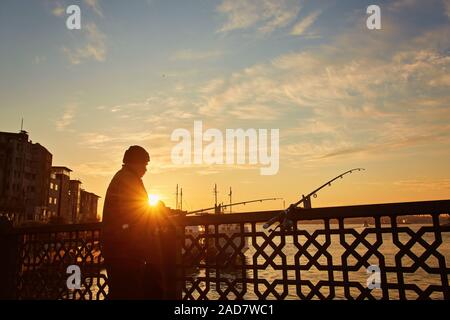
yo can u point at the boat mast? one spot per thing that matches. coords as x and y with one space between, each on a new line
181 202
230 195
217 208
176 198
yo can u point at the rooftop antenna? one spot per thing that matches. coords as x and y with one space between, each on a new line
21 128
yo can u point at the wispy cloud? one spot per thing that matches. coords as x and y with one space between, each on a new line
58 9
67 117
255 112
94 48
383 146
447 7
302 26
97 140
424 184
265 15
402 4
418 5
96 168
39 59
341 93
340 101
192 55
95 6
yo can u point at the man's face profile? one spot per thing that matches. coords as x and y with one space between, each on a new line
140 168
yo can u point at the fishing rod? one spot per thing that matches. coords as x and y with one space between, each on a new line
285 223
218 207
307 199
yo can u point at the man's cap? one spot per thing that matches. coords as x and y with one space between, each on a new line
136 154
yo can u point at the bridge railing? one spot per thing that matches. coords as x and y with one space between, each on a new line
36 261
381 251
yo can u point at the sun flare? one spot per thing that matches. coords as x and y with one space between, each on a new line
153 199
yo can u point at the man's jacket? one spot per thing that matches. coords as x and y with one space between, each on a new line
126 217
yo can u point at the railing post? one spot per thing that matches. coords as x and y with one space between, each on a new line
8 253
171 260
162 273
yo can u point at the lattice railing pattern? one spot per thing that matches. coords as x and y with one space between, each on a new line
325 256
321 259
44 258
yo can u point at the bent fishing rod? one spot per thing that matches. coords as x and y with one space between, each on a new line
282 217
222 206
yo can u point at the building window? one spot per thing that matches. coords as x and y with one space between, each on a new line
54 201
51 185
56 187
50 200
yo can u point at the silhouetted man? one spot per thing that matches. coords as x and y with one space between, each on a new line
126 226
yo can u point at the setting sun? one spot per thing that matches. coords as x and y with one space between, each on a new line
153 199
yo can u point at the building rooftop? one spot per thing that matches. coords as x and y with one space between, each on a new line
23 137
90 193
19 135
61 168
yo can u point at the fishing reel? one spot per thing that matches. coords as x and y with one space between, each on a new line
283 219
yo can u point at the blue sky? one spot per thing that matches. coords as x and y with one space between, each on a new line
341 95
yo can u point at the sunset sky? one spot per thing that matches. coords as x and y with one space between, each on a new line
341 95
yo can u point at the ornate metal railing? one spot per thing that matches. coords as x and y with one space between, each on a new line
325 260
39 257
326 255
